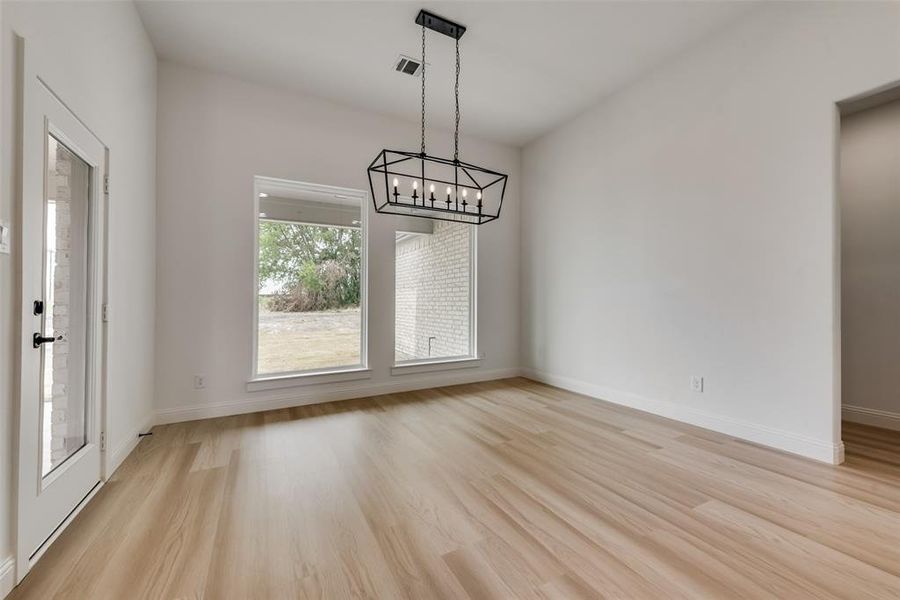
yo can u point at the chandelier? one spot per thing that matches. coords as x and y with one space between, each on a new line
418 185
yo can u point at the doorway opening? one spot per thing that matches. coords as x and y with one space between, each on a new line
869 204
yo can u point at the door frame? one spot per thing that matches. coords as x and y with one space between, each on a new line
869 98
29 82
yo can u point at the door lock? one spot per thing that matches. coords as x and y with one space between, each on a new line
37 339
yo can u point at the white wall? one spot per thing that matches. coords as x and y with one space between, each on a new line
870 264
686 226
215 133
104 68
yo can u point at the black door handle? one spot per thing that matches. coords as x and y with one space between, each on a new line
38 339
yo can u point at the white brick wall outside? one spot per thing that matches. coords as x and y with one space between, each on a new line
432 293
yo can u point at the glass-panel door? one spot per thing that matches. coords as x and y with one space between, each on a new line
61 442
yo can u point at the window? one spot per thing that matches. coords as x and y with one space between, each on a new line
434 291
310 279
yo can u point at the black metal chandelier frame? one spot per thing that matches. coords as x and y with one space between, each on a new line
411 205
487 187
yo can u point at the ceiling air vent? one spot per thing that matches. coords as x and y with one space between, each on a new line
410 66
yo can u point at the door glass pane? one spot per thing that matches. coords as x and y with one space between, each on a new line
63 370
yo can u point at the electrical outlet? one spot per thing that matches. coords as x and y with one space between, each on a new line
697 383
199 382
4 237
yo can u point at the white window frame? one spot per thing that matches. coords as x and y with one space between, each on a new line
260 382
472 359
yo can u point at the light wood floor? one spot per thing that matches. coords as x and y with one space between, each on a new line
498 490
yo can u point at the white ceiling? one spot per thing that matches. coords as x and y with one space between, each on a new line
526 66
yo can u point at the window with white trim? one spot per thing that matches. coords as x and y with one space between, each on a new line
434 311
310 279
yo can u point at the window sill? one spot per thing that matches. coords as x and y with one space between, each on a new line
302 379
435 365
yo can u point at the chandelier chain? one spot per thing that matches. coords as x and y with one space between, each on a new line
423 89
456 93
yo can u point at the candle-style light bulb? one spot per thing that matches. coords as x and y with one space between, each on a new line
478 196
415 184
465 193
431 191
448 197
396 193
415 187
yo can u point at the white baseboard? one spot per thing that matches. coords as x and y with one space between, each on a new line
821 450
7 576
871 416
128 443
329 393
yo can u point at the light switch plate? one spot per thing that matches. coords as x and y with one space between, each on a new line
4 237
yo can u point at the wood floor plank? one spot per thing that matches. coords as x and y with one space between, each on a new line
834 570
502 489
